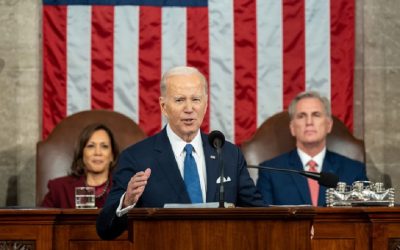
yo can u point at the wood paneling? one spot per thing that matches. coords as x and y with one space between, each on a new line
231 228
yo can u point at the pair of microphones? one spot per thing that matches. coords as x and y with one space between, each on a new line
326 179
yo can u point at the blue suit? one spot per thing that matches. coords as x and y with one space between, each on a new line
166 184
280 188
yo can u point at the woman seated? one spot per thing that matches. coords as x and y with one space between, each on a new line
94 160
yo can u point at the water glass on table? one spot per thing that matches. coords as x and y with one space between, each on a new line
85 197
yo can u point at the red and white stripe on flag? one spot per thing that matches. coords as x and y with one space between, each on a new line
257 55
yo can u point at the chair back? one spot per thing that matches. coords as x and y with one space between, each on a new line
55 154
273 138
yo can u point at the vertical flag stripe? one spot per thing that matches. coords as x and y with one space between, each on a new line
256 55
173 37
317 25
102 57
126 79
173 42
245 69
197 48
78 58
149 69
221 67
293 49
54 66
342 59
269 59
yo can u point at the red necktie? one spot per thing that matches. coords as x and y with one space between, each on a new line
312 184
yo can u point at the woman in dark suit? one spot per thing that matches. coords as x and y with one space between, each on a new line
94 159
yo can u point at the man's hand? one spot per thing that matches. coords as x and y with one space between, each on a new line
136 187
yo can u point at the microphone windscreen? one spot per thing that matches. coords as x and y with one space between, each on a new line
328 180
216 139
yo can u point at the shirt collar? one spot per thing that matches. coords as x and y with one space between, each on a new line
178 144
305 158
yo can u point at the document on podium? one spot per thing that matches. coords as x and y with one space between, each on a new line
298 205
198 205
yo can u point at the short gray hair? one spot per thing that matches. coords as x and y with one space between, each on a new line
181 70
310 94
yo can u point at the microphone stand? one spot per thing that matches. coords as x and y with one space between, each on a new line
221 184
326 179
312 175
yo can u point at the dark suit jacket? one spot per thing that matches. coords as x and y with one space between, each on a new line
166 184
280 188
62 192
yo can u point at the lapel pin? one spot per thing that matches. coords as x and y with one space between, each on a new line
212 157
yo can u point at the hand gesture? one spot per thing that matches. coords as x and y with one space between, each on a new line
136 187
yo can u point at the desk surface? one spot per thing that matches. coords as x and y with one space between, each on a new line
250 228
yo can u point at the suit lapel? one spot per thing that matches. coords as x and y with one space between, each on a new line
167 163
212 169
300 181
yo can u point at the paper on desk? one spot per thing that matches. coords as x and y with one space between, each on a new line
299 205
197 205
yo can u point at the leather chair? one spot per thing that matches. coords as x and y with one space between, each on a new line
54 155
273 138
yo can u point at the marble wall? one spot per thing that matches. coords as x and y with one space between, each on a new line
19 99
377 93
381 75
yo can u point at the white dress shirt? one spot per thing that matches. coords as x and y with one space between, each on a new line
178 146
305 158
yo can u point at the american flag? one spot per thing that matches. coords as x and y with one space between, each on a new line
256 54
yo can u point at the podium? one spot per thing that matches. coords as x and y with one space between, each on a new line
356 228
221 228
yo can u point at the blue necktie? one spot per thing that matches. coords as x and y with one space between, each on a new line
191 176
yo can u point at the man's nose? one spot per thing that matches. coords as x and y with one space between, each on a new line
189 106
309 120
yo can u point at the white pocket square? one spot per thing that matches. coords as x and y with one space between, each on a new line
226 179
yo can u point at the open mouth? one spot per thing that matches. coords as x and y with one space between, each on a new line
188 121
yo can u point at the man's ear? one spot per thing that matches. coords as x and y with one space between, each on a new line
330 124
291 127
161 100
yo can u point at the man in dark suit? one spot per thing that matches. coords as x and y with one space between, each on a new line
153 172
310 122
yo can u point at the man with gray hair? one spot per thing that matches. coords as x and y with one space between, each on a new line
176 165
310 123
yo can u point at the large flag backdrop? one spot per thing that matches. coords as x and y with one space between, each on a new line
256 54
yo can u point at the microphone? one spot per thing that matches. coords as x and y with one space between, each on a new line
325 179
217 140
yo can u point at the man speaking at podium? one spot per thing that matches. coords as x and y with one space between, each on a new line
177 165
310 123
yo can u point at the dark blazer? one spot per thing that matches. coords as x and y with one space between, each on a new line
62 192
279 188
166 184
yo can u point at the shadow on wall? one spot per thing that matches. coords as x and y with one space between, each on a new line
19 187
27 182
12 191
2 63
9 193
376 175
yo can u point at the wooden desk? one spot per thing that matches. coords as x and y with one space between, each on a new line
356 228
54 229
229 228
240 228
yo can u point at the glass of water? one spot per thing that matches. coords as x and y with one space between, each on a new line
85 197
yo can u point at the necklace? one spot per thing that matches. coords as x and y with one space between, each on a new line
104 190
